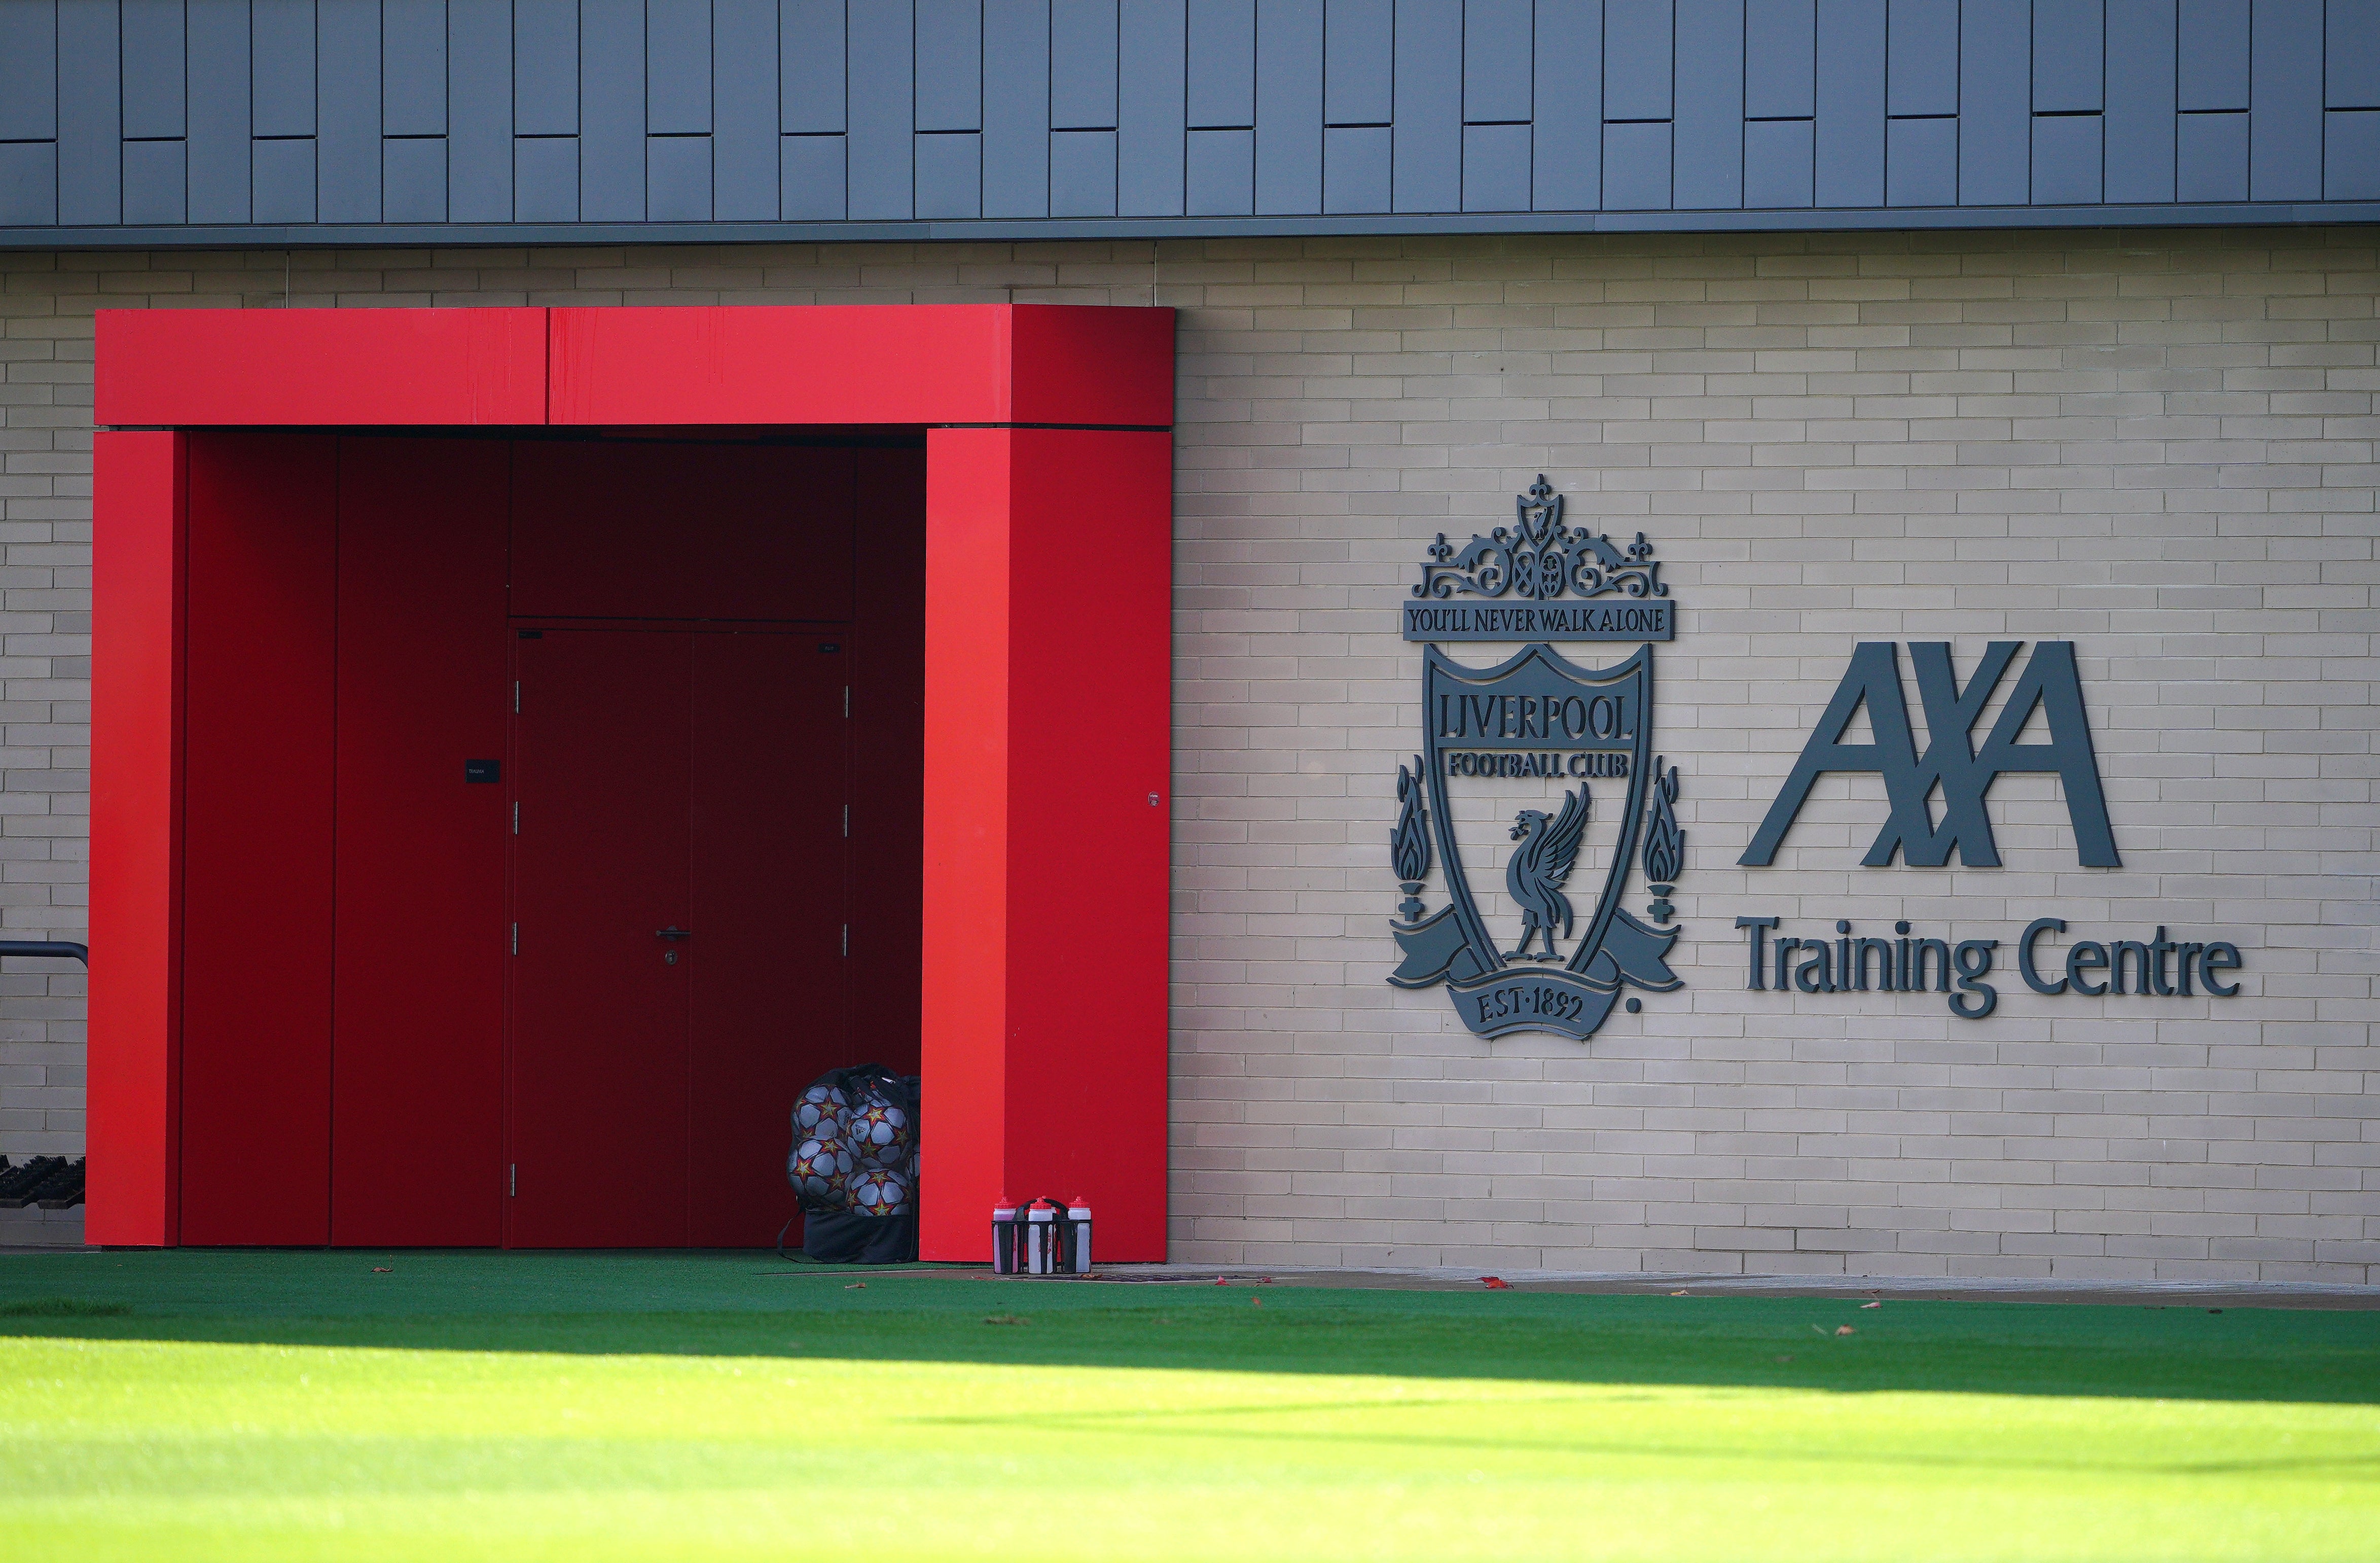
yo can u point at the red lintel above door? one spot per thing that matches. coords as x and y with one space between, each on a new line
794 364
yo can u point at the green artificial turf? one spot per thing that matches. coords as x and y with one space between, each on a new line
194 1404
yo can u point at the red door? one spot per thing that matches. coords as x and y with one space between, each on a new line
679 898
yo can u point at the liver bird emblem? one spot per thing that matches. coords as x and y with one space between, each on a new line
1539 866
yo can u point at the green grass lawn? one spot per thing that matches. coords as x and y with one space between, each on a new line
258 1406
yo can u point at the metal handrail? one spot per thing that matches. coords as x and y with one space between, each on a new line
63 948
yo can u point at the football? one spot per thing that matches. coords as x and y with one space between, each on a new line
821 1171
823 1109
879 1134
880 1190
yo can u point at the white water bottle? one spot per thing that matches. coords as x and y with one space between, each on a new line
1078 1212
1003 1237
1040 1232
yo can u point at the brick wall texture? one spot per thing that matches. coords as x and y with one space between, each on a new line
2156 445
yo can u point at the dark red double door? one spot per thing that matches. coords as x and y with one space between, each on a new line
679 895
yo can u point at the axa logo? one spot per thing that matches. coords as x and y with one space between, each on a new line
1952 767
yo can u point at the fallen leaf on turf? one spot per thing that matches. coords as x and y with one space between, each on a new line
1871 1304
1845 1329
383 1269
857 1285
1495 1283
1256 1301
1005 1319
1677 1294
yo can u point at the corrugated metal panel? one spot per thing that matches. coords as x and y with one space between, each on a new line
1151 39
1566 148
1016 108
1708 155
1426 156
1289 107
744 110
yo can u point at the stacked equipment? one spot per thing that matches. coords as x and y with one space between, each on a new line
854 1166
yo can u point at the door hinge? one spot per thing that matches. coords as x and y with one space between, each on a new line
515 697
516 816
517 939
846 941
847 702
846 819
512 1181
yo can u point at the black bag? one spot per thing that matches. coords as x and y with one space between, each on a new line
848 1236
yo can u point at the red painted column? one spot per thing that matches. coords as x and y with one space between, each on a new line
1048 786
138 511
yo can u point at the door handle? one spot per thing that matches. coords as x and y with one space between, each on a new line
673 933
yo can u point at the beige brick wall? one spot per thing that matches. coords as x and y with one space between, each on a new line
2156 445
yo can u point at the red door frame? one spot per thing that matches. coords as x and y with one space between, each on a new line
1047 679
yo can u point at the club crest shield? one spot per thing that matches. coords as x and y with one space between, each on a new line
1539 791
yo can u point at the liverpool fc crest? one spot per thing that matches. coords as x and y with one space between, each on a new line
1545 765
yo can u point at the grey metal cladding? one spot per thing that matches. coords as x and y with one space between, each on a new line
28 71
347 117
479 112
1637 58
1850 102
219 156
1497 43
1566 141
1151 38
154 72
1221 93
1016 108
879 43
281 94
677 67
260 120
950 65
1707 158
1426 150
90 148
743 174
814 67
1289 107
1359 70
1780 59
1082 64
2140 129
1922 58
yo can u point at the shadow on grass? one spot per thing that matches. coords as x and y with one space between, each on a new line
746 1304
